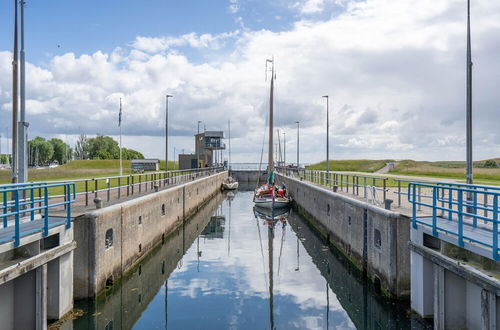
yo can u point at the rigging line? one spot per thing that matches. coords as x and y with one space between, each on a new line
262 154
261 250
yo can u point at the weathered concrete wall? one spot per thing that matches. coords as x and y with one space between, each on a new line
142 283
137 226
372 238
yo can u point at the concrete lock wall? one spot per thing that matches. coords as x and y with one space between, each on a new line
113 239
372 238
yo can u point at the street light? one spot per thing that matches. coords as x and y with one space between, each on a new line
297 144
196 146
327 141
166 135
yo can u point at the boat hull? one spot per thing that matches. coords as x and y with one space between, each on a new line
230 186
268 203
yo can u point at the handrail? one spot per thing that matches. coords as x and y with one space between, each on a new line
22 201
458 203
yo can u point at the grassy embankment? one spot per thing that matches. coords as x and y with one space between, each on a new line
442 169
83 169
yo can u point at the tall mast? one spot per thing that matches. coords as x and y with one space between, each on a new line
229 133
271 124
23 125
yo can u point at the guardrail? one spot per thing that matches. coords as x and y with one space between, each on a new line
349 183
464 205
128 185
23 199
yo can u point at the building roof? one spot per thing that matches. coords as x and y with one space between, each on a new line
219 134
142 161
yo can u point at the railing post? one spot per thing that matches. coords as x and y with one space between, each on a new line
46 211
347 183
474 201
434 214
68 208
132 178
32 203
119 187
109 188
5 207
364 187
40 199
460 219
485 203
419 198
399 193
385 188
64 189
450 203
17 233
96 188
495 227
414 206
86 193
128 186
140 183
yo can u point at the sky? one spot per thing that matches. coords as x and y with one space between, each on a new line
394 71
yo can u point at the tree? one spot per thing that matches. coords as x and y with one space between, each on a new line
62 151
82 148
42 151
103 147
131 154
490 163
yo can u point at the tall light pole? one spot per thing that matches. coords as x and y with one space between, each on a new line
469 101
166 135
196 146
327 139
15 67
22 125
120 125
297 144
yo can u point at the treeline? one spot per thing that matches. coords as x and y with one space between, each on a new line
102 147
44 152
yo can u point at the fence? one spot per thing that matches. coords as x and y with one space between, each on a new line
21 201
128 185
457 207
349 183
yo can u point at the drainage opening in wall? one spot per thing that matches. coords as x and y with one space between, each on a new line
349 220
140 247
376 284
163 267
109 282
377 238
328 209
140 270
109 238
140 219
162 209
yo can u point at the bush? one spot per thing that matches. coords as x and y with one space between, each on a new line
490 163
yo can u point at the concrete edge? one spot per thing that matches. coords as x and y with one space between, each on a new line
22 267
468 272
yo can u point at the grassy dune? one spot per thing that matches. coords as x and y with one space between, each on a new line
360 165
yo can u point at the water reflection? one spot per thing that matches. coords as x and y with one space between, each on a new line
233 266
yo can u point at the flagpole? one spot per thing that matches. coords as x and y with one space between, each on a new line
120 125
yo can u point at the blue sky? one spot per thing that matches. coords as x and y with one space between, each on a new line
56 27
394 71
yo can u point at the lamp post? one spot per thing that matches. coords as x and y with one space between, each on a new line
327 141
196 146
469 103
166 135
297 144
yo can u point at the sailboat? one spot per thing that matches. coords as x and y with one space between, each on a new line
269 195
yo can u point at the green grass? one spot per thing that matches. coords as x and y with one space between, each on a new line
360 165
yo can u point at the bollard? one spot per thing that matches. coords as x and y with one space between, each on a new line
335 188
98 203
387 204
156 188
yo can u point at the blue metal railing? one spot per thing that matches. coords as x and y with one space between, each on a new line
463 205
23 200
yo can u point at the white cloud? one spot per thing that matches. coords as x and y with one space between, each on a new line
394 71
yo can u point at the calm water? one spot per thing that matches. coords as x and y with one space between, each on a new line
231 268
